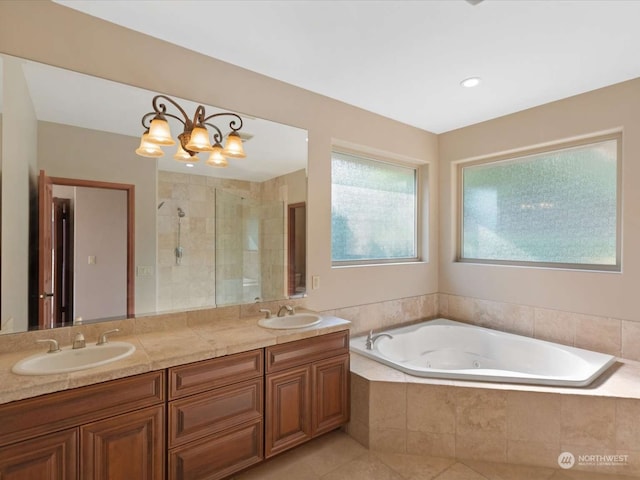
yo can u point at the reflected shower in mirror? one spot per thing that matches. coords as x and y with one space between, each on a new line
81 128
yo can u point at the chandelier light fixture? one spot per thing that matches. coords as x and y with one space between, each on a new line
194 137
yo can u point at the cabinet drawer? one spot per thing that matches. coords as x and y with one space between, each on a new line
219 456
39 415
211 412
288 355
218 372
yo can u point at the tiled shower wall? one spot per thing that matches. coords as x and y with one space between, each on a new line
192 283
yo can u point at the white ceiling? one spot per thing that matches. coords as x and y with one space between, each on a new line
405 59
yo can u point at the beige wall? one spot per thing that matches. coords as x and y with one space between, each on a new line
20 134
64 152
100 219
600 294
92 46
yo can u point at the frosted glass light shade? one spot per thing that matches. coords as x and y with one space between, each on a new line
148 149
182 155
216 159
199 140
160 133
233 147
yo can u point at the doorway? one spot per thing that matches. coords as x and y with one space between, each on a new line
297 246
86 251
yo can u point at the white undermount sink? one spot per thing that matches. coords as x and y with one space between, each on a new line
70 360
299 320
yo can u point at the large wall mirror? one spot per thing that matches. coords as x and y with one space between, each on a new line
129 235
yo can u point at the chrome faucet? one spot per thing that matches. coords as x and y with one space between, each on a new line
102 339
371 339
79 342
266 311
53 344
287 308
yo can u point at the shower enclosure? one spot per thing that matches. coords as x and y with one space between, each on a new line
250 249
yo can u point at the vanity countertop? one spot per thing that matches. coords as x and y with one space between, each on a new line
155 350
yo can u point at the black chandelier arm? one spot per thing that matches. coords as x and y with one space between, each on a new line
217 135
232 124
151 115
161 108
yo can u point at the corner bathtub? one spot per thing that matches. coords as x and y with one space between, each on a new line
446 349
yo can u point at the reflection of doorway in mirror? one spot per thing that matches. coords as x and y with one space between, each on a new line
91 258
297 244
62 246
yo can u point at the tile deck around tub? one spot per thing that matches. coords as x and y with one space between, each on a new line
507 424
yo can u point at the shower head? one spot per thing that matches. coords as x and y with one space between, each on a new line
181 212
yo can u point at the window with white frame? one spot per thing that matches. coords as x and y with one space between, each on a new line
554 208
374 211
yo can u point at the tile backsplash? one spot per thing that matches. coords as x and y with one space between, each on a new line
616 337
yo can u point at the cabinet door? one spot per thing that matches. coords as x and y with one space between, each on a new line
52 457
288 409
129 446
217 456
330 394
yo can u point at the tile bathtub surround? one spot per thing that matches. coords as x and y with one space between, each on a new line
617 337
336 456
382 315
506 424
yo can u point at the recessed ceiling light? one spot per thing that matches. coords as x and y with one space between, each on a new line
470 82
189 165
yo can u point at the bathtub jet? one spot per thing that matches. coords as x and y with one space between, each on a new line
452 350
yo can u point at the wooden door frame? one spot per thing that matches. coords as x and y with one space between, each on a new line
63 263
131 244
291 243
45 274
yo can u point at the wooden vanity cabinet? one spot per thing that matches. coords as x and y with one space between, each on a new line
307 390
110 430
215 416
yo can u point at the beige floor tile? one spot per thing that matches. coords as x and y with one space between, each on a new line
336 456
500 471
286 466
415 467
578 475
460 472
365 467
329 452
